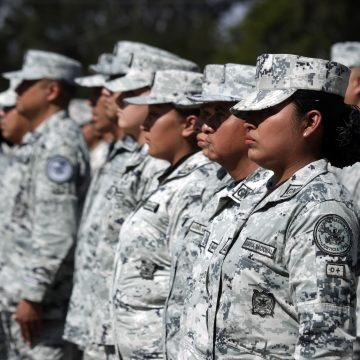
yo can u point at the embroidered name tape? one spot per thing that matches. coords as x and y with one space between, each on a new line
197 228
259 247
151 206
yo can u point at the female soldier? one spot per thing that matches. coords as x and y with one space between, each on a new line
285 288
287 284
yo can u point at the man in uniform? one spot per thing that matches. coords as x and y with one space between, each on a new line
40 208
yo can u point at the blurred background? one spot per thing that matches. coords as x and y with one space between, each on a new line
205 31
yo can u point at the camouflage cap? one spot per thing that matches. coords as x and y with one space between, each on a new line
9 96
122 47
143 68
80 111
278 76
229 82
171 87
97 80
40 64
347 53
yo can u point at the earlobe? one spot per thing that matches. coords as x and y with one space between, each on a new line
312 122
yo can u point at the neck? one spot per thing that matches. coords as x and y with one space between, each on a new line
38 119
282 174
180 154
118 133
243 168
108 137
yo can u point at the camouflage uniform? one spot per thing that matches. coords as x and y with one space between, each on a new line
147 242
43 189
226 83
289 290
47 176
348 53
222 218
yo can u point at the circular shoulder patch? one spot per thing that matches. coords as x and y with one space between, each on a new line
59 169
333 235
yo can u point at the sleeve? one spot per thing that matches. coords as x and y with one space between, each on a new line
54 216
321 255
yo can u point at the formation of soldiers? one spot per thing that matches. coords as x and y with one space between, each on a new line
180 214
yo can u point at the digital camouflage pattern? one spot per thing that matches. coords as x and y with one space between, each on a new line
347 53
171 87
278 76
187 251
147 242
289 291
79 313
143 68
80 111
48 174
229 82
128 187
226 213
40 64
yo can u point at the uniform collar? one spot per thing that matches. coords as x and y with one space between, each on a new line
184 167
297 182
32 136
127 144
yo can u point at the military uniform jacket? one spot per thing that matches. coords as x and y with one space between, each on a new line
128 188
45 187
285 288
147 242
187 252
96 210
226 213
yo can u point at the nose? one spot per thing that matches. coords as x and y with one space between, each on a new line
206 129
249 126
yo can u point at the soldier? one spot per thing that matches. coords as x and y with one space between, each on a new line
42 199
148 237
223 86
288 290
128 187
348 53
123 181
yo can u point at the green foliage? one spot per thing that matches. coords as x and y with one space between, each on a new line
305 27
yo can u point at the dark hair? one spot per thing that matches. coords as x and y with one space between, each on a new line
68 92
341 128
188 111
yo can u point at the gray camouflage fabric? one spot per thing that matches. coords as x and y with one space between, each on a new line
287 291
278 76
143 68
40 64
147 242
224 214
182 262
229 82
347 53
42 195
114 192
171 87
80 111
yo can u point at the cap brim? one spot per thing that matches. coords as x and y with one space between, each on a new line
17 75
91 81
212 98
160 100
126 84
261 99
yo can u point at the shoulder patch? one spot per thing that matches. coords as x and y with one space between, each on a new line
335 270
59 169
333 235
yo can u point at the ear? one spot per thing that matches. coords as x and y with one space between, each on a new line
357 85
189 126
53 90
311 123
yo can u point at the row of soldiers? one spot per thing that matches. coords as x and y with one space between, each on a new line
119 239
